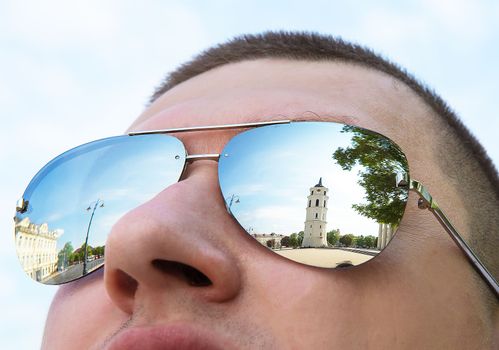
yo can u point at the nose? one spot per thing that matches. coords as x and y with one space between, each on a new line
178 242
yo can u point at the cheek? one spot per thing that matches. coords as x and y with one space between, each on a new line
81 314
401 297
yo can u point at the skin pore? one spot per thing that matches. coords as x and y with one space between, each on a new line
420 293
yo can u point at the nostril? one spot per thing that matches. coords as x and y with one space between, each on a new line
190 274
195 277
126 283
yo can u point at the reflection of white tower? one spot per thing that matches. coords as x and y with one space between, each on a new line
315 222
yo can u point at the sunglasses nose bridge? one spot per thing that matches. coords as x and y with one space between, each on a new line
205 156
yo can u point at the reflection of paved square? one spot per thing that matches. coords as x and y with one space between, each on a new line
323 257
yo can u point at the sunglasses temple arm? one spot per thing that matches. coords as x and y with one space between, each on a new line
426 202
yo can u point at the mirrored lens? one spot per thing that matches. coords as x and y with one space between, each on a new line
72 203
322 194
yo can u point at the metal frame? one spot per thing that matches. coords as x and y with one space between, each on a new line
209 127
426 201
208 156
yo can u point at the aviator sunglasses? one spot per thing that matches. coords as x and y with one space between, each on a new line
324 194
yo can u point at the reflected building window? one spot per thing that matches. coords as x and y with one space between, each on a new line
36 247
309 203
317 202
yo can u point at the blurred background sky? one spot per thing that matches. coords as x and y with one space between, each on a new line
72 72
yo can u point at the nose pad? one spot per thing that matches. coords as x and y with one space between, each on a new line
178 242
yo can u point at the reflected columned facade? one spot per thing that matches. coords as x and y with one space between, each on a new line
36 247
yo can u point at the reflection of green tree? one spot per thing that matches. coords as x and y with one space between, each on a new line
333 237
365 242
64 255
381 160
370 242
271 243
79 254
295 239
285 241
300 237
347 240
98 251
76 256
89 251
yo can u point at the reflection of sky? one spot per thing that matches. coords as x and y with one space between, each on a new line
271 169
123 172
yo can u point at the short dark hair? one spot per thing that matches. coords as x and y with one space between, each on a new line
303 46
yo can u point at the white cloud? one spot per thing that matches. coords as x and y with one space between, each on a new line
247 190
275 212
57 23
470 20
392 27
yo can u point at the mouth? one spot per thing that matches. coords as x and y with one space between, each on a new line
177 336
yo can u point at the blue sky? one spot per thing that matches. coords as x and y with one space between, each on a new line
271 170
120 173
75 72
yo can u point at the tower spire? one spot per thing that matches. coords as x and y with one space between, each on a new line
320 183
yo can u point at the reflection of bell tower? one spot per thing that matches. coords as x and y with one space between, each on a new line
315 222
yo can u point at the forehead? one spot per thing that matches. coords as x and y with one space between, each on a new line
273 89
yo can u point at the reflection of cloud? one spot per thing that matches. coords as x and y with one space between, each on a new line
276 212
248 189
54 217
269 190
282 219
107 221
132 195
349 221
104 222
115 193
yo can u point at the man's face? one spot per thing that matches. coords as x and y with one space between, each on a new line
419 293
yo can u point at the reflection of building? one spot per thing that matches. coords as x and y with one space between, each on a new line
385 234
315 222
36 248
272 240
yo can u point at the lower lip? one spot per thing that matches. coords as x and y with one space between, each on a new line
179 337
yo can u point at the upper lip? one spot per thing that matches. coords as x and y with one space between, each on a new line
179 336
